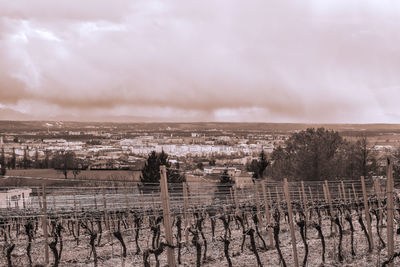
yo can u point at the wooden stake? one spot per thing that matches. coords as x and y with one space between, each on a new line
325 195
167 216
236 200
339 192
366 210
355 197
354 193
185 211
304 201
278 200
292 234
312 200
128 214
106 221
44 226
257 202
349 195
105 210
390 214
295 198
344 193
311 194
267 215
378 196
328 194
269 195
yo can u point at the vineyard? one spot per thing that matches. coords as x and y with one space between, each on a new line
321 223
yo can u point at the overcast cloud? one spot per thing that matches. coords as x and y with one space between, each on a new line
272 61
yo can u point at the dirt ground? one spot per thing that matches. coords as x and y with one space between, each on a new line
109 253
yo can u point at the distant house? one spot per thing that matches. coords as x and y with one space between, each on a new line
15 198
219 170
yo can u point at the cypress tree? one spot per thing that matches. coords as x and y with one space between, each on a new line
13 159
3 162
151 169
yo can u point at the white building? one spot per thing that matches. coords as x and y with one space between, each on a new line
218 170
15 198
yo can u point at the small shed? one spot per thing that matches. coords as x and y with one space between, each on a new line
15 198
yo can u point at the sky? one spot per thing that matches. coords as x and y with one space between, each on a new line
312 61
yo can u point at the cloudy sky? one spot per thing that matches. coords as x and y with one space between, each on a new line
264 61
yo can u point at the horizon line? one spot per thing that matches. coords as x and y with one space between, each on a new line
215 122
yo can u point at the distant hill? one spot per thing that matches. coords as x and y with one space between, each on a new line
196 126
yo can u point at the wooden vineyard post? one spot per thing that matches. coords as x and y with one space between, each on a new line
304 201
340 196
235 196
300 199
312 200
127 210
378 197
311 194
325 196
292 234
267 215
355 197
278 200
106 221
75 218
44 226
349 195
167 216
366 210
328 195
390 215
185 211
105 209
257 202
354 193
269 195
344 193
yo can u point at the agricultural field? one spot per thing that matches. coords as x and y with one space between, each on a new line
209 225
83 174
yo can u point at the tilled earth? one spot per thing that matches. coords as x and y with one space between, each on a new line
109 252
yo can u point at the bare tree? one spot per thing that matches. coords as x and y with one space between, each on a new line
66 161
